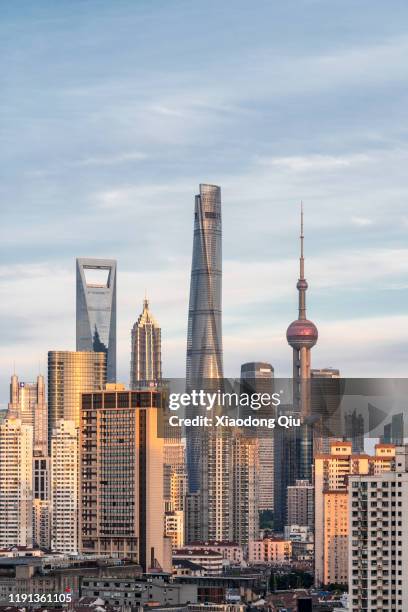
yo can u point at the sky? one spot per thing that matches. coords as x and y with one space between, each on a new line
112 113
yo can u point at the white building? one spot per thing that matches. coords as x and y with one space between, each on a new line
378 546
232 553
174 527
64 487
27 402
210 560
16 482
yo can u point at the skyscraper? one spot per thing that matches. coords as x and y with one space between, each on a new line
27 402
71 373
204 339
145 363
302 336
64 487
16 483
122 452
96 309
257 377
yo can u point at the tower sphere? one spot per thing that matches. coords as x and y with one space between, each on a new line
302 333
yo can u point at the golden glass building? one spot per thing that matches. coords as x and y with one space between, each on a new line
71 373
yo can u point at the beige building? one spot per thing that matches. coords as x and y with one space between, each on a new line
174 474
64 487
42 523
16 483
331 476
27 402
71 373
245 489
270 550
121 467
174 527
378 543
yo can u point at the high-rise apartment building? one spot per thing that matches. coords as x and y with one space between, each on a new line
192 519
121 467
174 474
16 483
257 377
300 506
64 487
145 362
245 489
378 543
96 309
204 339
71 373
302 336
331 476
27 402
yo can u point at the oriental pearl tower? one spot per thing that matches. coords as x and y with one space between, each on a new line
302 335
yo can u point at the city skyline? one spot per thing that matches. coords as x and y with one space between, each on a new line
350 175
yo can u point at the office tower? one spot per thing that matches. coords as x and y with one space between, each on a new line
204 339
397 429
121 501
378 546
245 490
354 430
326 395
71 373
257 377
331 476
145 362
302 336
64 487
27 402
96 309
285 467
300 509
174 527
16 483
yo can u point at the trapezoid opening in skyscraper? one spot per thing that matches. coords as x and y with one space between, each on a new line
96 309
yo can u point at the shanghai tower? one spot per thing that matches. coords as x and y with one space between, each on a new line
204 340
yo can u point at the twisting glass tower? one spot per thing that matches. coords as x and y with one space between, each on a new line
302 336
204 340
145 364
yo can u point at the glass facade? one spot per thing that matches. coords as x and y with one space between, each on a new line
96 309
204 339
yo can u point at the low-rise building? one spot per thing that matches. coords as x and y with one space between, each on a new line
270 550
210 560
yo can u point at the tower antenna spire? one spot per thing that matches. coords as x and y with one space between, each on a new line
302 236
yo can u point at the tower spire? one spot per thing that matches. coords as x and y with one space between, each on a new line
302 284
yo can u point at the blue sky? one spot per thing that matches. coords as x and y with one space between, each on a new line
112 113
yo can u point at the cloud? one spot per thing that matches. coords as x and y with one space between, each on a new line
112 160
